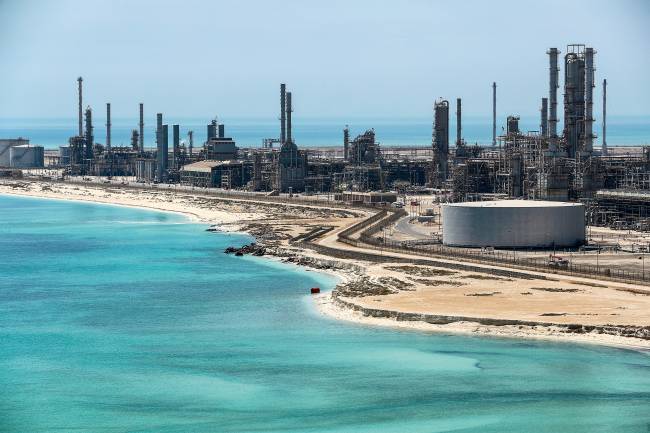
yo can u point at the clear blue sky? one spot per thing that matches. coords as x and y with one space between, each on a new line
341 59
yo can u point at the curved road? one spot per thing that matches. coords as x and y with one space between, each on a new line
403 226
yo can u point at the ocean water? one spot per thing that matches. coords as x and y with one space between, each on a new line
123 320
310 132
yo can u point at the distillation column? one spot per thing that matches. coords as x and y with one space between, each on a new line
90 140
441 139
459 140
494 114
141 137
604 148
79 81
552 98
288 118
108 126
176 143
588 146
543 126
159 159
283 114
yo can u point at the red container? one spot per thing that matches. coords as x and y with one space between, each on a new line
315 290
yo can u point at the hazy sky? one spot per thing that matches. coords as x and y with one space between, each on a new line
344 59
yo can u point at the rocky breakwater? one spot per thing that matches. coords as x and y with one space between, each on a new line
253 249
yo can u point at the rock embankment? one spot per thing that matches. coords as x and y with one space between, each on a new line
252 249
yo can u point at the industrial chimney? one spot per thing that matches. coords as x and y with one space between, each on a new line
604 148
494 114
288 118
141 137
81 132
458 123
552 98
283 114
176 140
589 101
159 145
108 126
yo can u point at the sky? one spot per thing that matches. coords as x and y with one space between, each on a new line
340 59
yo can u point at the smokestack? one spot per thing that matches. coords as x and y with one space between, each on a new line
543 126
604 148
589 100
159 141
108 126
494 114
176 142
141 137
81 132
191 136
552 97
283 114
289 110
165 148
346 142
458 123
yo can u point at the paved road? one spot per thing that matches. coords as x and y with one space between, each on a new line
411 230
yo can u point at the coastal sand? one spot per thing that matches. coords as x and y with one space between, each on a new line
468 294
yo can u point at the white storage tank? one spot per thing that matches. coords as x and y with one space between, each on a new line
513 224
26 156
5 145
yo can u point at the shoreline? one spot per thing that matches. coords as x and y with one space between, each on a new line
189 215
343 270
327 306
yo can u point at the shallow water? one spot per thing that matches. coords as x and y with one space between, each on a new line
122 320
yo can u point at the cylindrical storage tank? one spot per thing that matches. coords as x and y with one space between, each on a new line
513 224
26 156
5 145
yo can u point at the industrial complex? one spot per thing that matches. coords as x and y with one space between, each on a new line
560 182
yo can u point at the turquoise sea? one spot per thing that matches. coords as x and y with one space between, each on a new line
122 320
310 132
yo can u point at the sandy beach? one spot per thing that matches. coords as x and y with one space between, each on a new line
395 290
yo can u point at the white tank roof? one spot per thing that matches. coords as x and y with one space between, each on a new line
514 204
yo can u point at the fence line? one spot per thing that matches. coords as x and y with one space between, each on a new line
384 219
